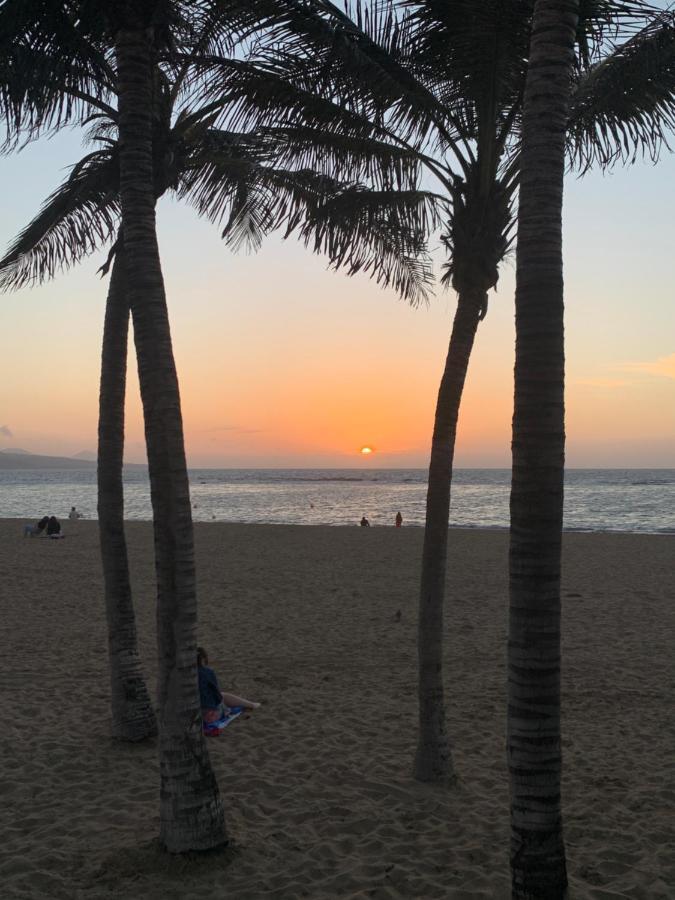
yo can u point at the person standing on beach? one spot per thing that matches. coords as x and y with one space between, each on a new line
399 519
365 523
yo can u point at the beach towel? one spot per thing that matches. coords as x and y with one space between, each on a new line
214 727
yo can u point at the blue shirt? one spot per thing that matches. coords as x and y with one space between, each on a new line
209 692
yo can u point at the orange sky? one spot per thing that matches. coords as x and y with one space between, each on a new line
282 363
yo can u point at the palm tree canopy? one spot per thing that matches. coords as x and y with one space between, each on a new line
81 215
51 68
423 63
442 83
238 180
624 104
57 59
346 107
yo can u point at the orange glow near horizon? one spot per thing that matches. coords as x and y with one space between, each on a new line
366 451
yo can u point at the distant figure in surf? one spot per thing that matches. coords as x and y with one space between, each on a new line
74 514
399 520
365 523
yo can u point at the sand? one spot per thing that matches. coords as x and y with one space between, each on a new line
316 785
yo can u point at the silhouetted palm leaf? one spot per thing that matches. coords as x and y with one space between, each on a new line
378 232
81 216
51 71
229 179
234 178
624 105
380 163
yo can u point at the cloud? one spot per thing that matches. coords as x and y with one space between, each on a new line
601 382
236 428
6 431
663 367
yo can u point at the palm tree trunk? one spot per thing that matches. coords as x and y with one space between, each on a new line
433 760
191 814
533 732
133 717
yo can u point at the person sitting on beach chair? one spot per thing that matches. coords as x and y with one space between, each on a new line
216 705
36 530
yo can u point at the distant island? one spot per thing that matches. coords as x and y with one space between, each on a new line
22 459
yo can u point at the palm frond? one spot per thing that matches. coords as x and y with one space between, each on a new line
381 233
217 166
232 181
365 159
255 97
78 218
361 59
49 70
317 50
603 22
474 54
624 106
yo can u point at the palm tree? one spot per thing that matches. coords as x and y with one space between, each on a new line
40 90
133 717
62 85
441 85
555 103
217 171
533 722
81 215
357 97
191 814
77 218
128 36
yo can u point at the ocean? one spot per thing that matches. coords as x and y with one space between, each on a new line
634 500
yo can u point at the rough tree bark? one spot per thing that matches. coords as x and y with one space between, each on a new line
133 717
533 731
191 814
433 759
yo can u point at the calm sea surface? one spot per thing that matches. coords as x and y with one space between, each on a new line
595 499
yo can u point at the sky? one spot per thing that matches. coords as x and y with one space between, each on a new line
283 363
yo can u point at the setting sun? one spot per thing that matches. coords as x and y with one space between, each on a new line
366 451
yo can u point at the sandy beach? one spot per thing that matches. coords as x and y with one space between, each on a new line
316 785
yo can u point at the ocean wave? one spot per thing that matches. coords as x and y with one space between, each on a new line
657 481
325 478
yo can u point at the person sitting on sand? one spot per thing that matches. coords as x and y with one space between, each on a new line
53 527
36 530
74 514
215 703
365 523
